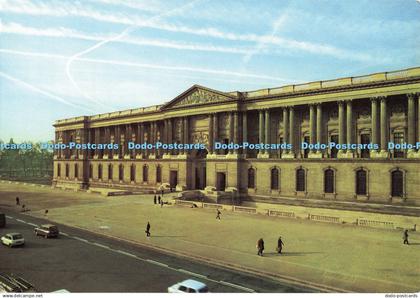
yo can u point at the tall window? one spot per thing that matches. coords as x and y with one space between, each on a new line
251 178
132 173
334 139
90 171
67 170
121 172
274 178
364 139
306 139
59 170
145 173
76 171
329 181
397 183
109 172
361 182
158 174
300 180
100 172
398 139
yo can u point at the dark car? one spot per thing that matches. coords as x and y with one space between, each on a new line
47 231
10 283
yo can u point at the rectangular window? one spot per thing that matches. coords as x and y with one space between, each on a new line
398 139
364 139
333 152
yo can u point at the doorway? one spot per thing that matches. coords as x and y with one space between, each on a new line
173 178
221 181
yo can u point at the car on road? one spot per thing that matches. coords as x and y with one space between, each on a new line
189 286
12 239
10 283
47 230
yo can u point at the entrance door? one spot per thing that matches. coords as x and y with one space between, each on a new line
173 178
221 181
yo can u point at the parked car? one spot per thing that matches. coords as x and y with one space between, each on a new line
10 283
47 230
13 239
188 286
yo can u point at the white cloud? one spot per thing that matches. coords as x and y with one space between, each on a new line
75 9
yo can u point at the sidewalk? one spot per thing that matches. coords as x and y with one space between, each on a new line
328 256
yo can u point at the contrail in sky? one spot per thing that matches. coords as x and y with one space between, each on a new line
43 92
122 34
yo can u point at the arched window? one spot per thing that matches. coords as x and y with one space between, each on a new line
361 182
90 171
329 181
145 173
251 178
59 170
274 178
397 183
100 172
121 172
132 173
300 180
67 170
109 172
158 174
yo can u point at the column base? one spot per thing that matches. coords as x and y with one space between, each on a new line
139 156
105 156
211 156
126 156
166 156
96 156
263 155
115 157
413 154
232 155
345 154
152 156
182 156
317 154
288 155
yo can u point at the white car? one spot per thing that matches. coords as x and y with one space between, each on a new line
188 286
13 239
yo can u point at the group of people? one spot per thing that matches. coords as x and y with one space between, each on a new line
260 246
158 200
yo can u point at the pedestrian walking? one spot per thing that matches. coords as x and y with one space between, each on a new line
17 201
154 200
280 245
159 199
46 212
218 214
148 229
405 237
260 247
23 208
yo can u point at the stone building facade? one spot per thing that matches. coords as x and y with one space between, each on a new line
377 108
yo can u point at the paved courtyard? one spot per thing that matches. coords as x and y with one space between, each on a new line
332 256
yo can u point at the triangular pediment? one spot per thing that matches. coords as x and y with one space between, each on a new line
197 95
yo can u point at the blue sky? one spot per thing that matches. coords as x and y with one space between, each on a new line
60 59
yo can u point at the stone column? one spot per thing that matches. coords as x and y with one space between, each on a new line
235 130
349 124
292 129
231 131
186 133
319 124
374 121
411 125
211 141
285 125
384 130
267 128
418 118
170 133
341 132
215 130
261 129
244 129
312 136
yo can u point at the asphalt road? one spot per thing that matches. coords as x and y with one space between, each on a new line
81 261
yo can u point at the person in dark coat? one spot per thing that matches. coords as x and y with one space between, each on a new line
154 199
148 229
162 192
218 214
280 245
159 199
260 247
405 237
17 201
